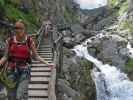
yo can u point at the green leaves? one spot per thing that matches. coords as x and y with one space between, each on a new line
29 18
2 3
129 65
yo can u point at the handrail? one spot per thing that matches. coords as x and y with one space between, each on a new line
57 44
40 35
59 38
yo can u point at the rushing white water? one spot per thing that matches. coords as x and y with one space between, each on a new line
111 84
130 50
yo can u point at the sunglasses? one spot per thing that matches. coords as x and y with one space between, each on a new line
19 28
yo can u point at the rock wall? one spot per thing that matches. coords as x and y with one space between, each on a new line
76 81
59 11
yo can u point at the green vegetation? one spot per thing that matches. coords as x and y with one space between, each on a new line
70 17
85 63
126 24
113 3
13 13
129 65
86 83
120 5
123 8
2 3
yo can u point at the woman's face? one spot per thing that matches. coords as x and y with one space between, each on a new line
20 32
20 29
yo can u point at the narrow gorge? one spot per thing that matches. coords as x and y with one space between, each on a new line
97 46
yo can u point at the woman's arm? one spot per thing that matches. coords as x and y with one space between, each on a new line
35 54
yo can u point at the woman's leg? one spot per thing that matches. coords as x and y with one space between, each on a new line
22 87
12 77
22 90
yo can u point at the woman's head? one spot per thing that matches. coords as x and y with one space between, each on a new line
20 28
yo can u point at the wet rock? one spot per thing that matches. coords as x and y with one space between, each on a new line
77 71
77 28
92 51
130 75
123 52
111 50
64 88
79 38
68 42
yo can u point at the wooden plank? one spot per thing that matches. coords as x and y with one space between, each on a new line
34 63
42 50
39 80
45 46
40 74
38 93
40 64
38 68
37 98
48 57
38 86
46 49
44 53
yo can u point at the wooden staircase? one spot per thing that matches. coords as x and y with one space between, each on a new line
38 88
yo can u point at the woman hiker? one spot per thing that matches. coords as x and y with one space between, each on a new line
17 55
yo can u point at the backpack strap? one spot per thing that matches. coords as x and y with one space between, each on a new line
10 41
29 41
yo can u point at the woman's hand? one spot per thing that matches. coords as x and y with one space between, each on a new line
51 65
2 61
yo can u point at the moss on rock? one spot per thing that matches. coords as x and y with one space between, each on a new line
126 24
86 84
129 65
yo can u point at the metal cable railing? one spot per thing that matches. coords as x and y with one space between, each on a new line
57 51
58 47
39 35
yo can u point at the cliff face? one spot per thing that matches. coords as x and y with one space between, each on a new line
33 12
61 11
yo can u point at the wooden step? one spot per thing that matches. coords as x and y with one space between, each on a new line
46 55
46 49
30 98
38 87
38 93
38 64
46 46
46 58
40 69
37 74
39 80
42 51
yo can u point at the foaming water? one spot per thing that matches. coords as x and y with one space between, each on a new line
111 84
130 50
